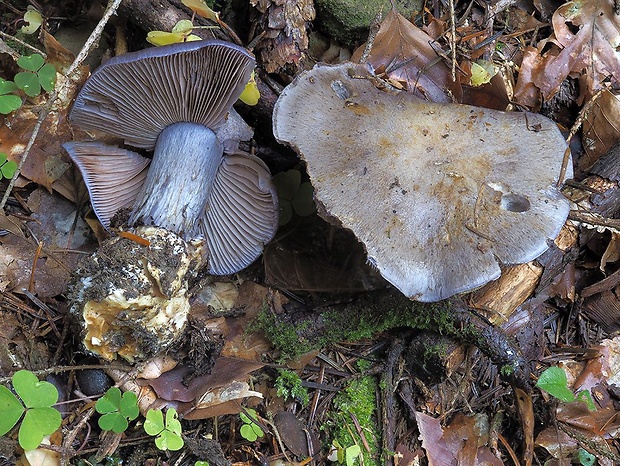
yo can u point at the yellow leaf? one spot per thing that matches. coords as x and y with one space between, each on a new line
200 7
166 38
481 72
34 20
250 94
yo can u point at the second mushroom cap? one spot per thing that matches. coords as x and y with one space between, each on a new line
441 195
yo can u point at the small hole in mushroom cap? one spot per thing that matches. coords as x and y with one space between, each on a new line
514 202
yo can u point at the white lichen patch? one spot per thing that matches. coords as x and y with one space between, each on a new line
131 299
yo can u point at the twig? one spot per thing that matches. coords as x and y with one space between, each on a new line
23 44
453 40
88 46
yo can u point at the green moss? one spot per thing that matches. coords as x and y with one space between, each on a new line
283 336
347 21
365 318
288 385
357 399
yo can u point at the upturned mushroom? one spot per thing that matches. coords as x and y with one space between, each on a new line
177 100
216 204
441 195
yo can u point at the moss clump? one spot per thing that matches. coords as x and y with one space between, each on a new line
283 336
288 385
357 400
347 21
371 314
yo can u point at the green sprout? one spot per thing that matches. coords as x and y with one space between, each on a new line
38 75
40 419
294 195
8 101
117 410
7 167
167 432
250 430
553 381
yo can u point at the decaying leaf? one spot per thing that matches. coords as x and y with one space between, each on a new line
585 41
460 443
601 128
402 52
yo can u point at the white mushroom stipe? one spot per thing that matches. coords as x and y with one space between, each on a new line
441 195
179 181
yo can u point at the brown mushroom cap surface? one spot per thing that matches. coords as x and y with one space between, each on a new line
441 195
136 95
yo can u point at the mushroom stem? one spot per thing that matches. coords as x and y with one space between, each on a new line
180 178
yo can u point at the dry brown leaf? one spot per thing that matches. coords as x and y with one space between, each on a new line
601 128
586 38
461 443
403 52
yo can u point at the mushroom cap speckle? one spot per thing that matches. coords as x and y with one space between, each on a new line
136 95
441 195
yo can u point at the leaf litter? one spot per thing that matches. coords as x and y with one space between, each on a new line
583 46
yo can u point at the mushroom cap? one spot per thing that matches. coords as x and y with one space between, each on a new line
136 95
440 195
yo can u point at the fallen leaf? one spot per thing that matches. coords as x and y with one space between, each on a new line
402 52
601 128
585 41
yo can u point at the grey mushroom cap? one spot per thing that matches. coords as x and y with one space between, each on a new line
441 195
136 95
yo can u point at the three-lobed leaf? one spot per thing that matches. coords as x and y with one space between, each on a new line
117 410
167 432
38 397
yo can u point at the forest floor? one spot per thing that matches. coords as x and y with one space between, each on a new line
309 356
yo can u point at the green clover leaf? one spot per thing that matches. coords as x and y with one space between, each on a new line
117 410
167 434
7 86
10 410
38 423
250 430
33 392
47 77
9 103
40 419
29 83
